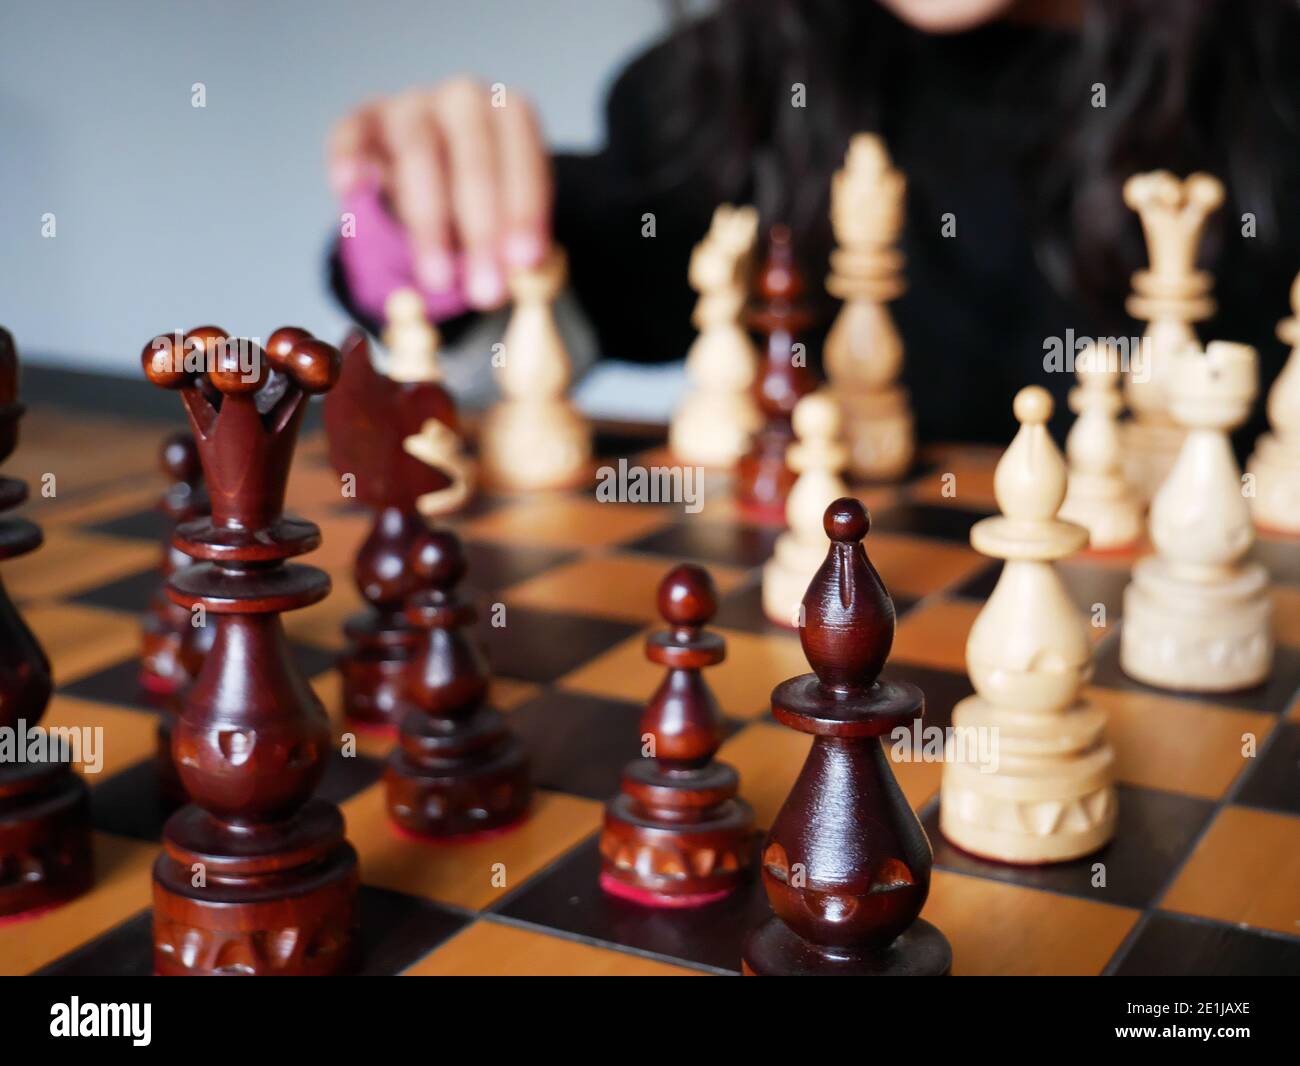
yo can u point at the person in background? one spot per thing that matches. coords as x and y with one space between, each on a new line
990 107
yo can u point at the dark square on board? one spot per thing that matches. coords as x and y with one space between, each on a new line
1155 832
1171 945
927 520
707 541
149 524
543 646
568 897
1273 781
130 594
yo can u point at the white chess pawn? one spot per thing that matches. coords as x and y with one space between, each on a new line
411 339
818 457
534 438
1098 498
1275 466
716 419
1028 775
1196 617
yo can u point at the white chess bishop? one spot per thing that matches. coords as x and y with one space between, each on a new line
1275 466
534 438
864 352
1044 790
1098 496
714 422
818 457
1169 296
1197 617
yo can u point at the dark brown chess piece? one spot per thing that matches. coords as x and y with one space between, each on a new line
763 480
846 865
457 768
255 876
677 835
367 417
45 853
172 646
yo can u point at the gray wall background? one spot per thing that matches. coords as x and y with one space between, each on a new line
169 215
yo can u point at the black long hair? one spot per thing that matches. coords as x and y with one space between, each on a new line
1189 84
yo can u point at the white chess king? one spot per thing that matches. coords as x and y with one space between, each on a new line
1197 617
1047 793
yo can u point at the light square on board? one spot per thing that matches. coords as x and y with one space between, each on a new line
934 634
70 561
917 568
127 737
491 949
466 874
1177 745
618 586
80 640
561 521
123 885
997 929
1245 870
742 683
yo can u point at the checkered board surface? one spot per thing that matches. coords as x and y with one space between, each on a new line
1203 875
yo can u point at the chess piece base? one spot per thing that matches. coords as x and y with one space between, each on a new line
373 668
1107 509
879 431
1150 449
454 779
713 429
1050 797
45 851
1197 636
709 856
533 446
1276 503
281 900
763 481
774 950
785 579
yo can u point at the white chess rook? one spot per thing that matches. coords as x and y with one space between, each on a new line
1196 616
1049 795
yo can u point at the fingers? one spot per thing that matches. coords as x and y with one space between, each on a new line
418 186
461 174
526 184
464 114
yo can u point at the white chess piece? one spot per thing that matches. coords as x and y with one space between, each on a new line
1028 775
818 457
1170 296
1098 497
1196 617
410 339
534 438
1275 466
864 352
715 420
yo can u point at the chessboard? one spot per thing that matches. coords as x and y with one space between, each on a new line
1203 875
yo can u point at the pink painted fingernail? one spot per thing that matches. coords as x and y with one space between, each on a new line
484 285
524 249
435 270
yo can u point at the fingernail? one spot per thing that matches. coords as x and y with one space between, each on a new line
524 249
344 176
484 285
435 270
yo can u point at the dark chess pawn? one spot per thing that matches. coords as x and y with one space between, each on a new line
457 768
368 419
172 647
677 835
763 480
45 852
846 864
